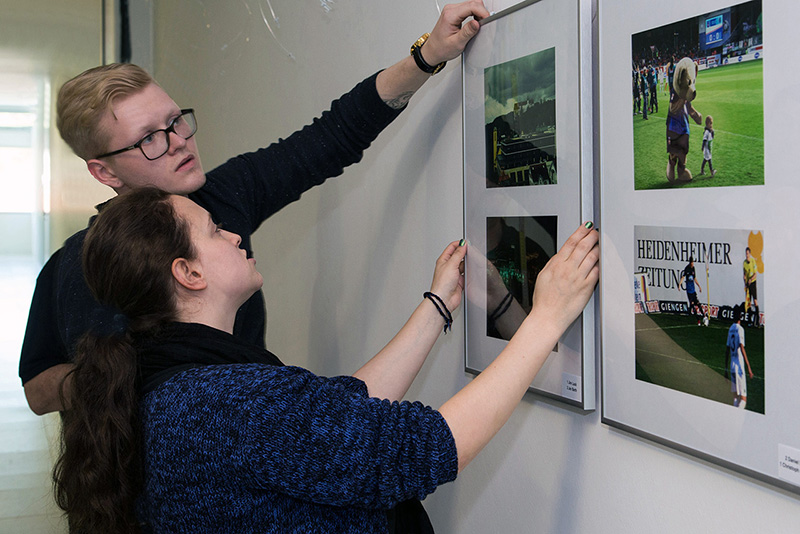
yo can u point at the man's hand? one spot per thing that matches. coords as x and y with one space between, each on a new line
398 83
450 35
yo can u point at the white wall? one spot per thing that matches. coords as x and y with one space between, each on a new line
345 266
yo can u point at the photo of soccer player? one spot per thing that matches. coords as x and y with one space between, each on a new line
713 66
520 111
751 269
688 277
737 359
689 305
517 248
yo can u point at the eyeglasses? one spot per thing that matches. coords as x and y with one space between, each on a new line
156 144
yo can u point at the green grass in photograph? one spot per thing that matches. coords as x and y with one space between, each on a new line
733 96
673 352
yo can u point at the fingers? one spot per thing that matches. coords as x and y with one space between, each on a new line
590 265
566 283
581 255
467 32
451 250
448 251
460 252
589 261
451 261
568 248
455 14
585 246
448 276
450 35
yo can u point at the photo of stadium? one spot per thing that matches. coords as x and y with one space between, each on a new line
520 109
699 312
697 101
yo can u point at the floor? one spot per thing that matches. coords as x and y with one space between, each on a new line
26 457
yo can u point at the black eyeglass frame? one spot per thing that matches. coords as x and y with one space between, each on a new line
169 129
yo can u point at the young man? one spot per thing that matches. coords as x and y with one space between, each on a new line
652 78
750 268
692 286
637 101
738 359
644 91
131 134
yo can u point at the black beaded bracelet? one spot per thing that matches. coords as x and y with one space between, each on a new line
442 309
502 307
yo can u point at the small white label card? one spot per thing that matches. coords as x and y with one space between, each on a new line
571 386
789 464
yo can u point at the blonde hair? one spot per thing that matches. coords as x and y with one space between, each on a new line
83 101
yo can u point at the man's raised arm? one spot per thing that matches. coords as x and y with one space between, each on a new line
398 83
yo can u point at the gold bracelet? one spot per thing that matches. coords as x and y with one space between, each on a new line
421 63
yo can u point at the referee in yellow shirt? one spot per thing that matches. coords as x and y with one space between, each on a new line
750 292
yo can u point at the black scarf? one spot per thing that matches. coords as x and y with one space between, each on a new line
182 346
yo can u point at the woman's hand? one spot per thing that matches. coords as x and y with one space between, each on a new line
448 275
389 374
565 284
563 288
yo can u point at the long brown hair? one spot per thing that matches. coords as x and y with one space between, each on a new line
127 258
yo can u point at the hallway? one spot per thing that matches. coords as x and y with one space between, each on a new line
26 502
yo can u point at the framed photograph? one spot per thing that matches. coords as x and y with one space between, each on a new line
527 179
698 195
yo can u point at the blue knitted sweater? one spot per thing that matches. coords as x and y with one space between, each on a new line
257 448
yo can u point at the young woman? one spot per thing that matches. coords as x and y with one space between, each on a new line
176 426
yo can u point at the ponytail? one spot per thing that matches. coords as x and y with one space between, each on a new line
99 473
127 259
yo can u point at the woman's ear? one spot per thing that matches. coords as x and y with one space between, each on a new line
188 274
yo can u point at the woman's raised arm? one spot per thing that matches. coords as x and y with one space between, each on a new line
389 373
477 412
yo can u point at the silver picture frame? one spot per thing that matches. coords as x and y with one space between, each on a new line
666 373
528 179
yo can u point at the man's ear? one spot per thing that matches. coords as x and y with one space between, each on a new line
103 174
188 275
